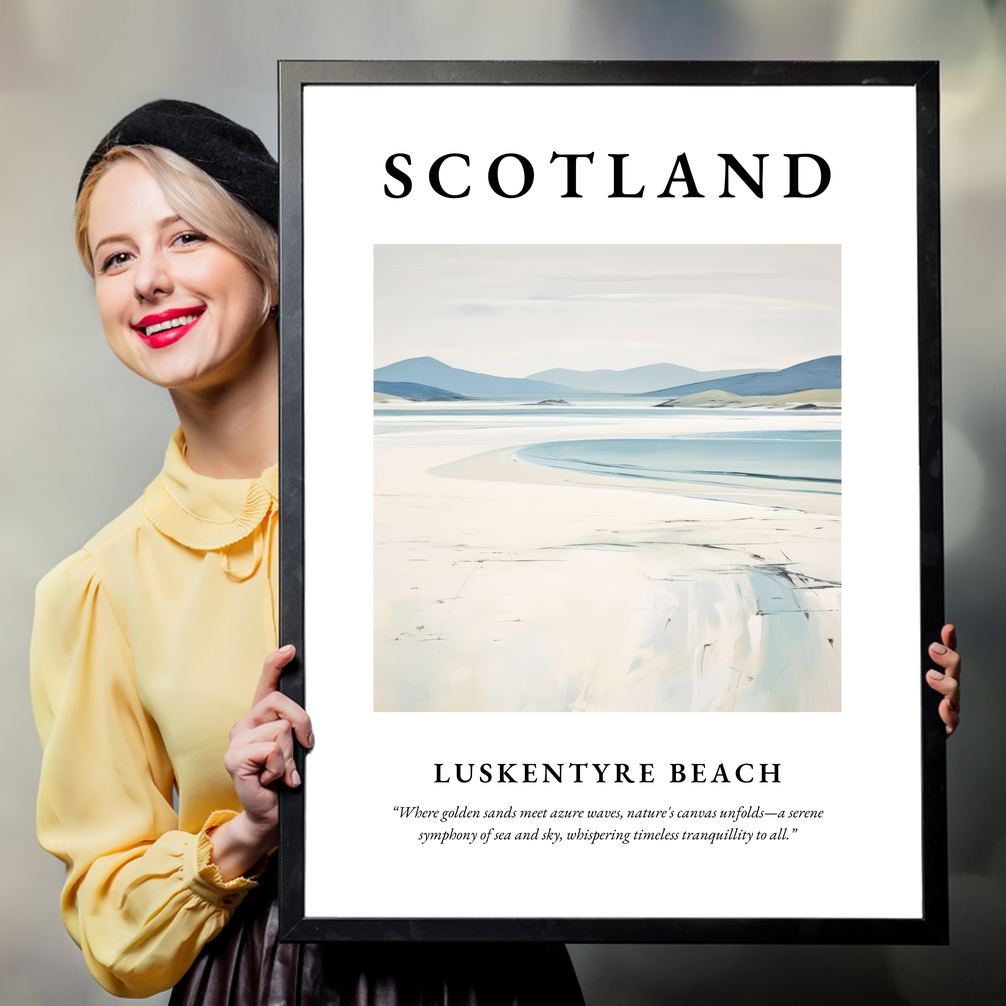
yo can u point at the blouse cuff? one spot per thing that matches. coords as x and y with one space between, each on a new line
202 876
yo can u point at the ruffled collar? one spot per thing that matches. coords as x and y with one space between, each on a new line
203 513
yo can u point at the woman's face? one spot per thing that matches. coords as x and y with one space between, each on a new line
177 308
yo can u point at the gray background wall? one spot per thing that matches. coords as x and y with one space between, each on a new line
82 436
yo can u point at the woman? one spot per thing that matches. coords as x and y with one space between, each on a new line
149 642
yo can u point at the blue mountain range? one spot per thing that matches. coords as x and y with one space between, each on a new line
824 372
635 380
417 392
425 379
434 374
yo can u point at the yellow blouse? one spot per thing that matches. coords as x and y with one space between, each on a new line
147 647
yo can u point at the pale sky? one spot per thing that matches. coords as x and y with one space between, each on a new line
513 310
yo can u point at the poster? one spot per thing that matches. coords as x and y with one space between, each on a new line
601 393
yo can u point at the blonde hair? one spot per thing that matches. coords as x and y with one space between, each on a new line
199 200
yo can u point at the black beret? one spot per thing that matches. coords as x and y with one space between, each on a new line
230 154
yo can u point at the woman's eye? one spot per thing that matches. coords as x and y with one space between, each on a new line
190 238
114 261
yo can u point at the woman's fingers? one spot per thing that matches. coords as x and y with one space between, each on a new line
278 735
949 688
949 636
261 749
277 706
944 684
260 761
271 671
270 703
949 710
274 766
945 655
947 681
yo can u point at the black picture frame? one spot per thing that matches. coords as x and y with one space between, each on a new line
931 927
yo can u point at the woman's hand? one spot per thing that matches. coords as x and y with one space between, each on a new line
260 754
947 682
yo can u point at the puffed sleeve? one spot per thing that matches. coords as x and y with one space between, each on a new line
141 898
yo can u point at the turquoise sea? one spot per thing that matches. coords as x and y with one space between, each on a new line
807 461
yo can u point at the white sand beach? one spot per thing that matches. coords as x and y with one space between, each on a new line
507 586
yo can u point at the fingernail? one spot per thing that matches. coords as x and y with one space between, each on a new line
287 649
938 648
936 675
295 777
310 740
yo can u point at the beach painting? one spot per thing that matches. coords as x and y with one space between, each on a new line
607 478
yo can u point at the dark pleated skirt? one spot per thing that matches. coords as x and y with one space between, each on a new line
246 965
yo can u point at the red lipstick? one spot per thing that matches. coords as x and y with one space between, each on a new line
167 330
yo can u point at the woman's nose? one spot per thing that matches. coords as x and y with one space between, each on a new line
152 277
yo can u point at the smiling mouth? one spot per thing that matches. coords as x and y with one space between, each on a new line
185 319
165 324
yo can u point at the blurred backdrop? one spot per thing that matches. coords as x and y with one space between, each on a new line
83 437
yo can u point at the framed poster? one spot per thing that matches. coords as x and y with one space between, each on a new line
611 501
